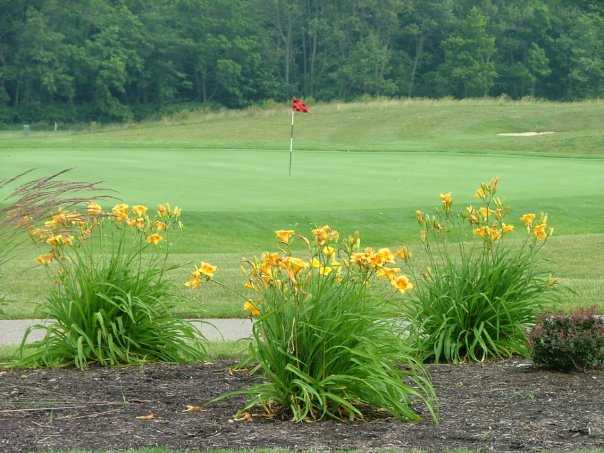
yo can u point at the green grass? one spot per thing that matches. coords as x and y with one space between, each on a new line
228 171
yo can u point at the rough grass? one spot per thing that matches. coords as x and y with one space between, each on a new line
228 171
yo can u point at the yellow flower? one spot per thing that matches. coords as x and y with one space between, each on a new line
481 231
321 234
271 259
403 253
472 215
485 212
386 255
154 239
177 212
94 209
494 234
375 259
540 232
329 251
160 226
45 259
507 228
59 240
193 282
140 210
249 285
206 269
528 219
325 270
251 308
420 216
295 265
120 212
359 258
402 283
315 263
388 272
164 209
446 199
284 235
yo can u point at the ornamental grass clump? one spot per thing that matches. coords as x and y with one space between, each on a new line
476 299
111 303
569 342
324 347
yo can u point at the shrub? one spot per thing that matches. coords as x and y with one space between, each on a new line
569 342
475 301
324 347
111 303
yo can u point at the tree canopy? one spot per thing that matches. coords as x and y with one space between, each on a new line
116 60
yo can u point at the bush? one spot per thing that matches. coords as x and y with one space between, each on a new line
477 300
324 347
111 303
569 342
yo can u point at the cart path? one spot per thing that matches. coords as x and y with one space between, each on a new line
12 331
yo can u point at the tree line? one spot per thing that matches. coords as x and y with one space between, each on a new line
116 60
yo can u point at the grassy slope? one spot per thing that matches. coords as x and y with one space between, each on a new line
228 171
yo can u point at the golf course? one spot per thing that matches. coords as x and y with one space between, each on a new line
363 166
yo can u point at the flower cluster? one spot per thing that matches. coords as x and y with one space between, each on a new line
327 259
488 219
67 229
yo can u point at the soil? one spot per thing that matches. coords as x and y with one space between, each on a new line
504 406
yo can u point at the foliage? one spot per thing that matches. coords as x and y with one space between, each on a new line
569 342
323 345
102 60
111 303
476 301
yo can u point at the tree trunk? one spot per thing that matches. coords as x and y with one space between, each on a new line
419 50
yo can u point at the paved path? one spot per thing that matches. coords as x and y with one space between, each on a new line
11 331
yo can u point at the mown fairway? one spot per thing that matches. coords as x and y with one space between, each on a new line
360 167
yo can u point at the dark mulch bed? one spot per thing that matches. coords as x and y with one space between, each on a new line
502 405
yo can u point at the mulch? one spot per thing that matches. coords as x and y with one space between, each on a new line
503 406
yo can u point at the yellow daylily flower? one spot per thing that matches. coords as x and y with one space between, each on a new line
402 283
481 231
388 272
325 270
528 219
507 228
446 199
140 210
46 259
154 239
206 269
284 235
94 209
540 232
251 308
386 255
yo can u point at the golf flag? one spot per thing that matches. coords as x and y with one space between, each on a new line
297 106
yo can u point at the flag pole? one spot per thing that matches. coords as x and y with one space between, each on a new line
291 143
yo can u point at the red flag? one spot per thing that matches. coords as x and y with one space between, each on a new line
299 106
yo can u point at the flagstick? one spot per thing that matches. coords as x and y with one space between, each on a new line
291 144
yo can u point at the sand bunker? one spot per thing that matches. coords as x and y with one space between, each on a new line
524 134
